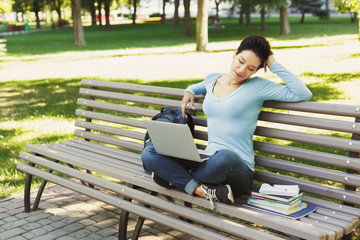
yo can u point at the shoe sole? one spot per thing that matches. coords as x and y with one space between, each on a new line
230 194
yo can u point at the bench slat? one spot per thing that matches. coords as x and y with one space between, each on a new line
292 227
333 206
342 216
313 122
176 92
308 170
310 187
112 130
109 140
347 226
171 222
107 151
316 107
317 140
109 118
117 108
335 231
130 97
108 161
310 155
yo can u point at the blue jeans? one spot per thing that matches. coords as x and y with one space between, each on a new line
223 167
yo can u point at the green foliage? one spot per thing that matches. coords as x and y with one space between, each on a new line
348 5
5 6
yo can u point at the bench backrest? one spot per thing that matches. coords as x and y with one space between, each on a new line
314 145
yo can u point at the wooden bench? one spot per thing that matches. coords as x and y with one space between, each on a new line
314 145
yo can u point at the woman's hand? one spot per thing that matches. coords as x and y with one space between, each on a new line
268 62
188 97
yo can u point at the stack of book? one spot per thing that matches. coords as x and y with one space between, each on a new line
281 199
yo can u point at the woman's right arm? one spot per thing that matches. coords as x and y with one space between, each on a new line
195 89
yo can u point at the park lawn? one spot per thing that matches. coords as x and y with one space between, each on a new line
154 34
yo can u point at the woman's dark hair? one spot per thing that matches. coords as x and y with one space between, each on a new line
259 45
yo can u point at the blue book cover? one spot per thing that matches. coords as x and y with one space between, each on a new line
310 208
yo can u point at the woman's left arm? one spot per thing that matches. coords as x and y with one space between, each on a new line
294 90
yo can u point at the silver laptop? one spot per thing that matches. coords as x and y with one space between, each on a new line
175 140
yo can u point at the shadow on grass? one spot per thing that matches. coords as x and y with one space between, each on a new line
45 97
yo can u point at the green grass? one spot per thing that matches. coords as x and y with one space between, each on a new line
154 34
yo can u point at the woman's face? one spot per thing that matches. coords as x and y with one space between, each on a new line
244 64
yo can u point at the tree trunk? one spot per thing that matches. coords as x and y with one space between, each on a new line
37 19
99 10
241 16
92 12
78 28
248 18
302 17
36 8
187 19
134 13
176 15
58 11
262 12
284 21
163 19
107 13
352 17
217 4
202 25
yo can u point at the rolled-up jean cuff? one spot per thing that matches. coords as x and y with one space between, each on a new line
191 186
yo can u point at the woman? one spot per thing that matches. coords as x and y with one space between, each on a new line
232 104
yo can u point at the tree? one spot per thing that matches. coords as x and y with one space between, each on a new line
92 12
352 6
99 11
134 13
187 19
310 6
20 6
78 30
176 21
284 17
37 6
202 25
107 13
217 4
265 5
56 5
163 15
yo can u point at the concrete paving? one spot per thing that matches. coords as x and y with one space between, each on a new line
67 215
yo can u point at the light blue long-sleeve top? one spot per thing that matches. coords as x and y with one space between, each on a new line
231 120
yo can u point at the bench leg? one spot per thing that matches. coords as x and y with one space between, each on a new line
40 191
124 219
140 222
27 190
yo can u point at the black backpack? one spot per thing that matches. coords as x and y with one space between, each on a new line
173 115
